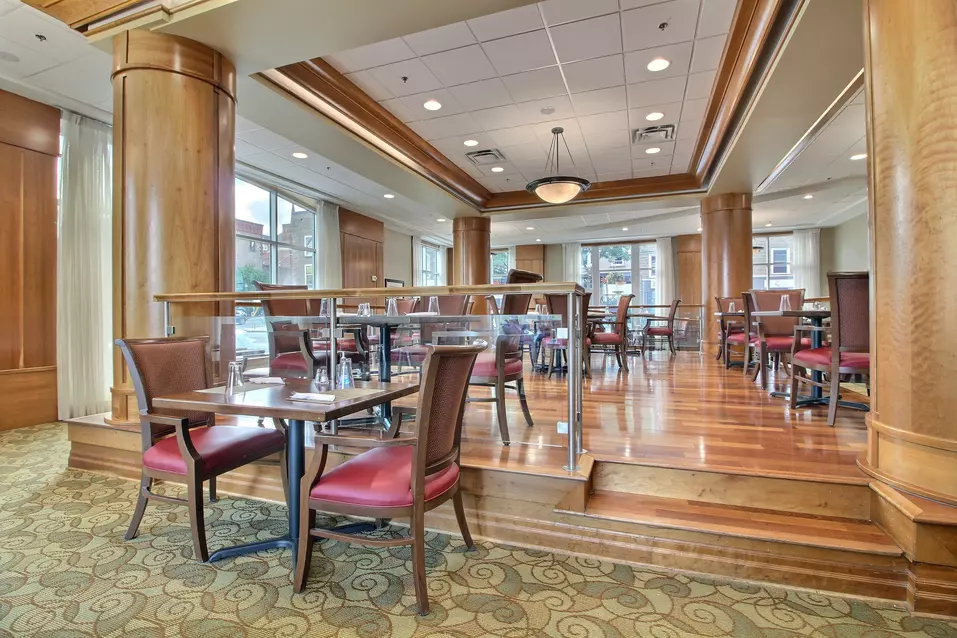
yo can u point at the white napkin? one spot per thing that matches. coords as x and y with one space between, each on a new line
422 314
312 397
271 380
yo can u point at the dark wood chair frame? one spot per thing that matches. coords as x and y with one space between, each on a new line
506 347
621 327
155 426
669 320
761 366
726 327
834 370
416 512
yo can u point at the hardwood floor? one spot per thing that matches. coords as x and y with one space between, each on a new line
684 412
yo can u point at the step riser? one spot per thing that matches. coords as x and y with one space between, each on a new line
776 494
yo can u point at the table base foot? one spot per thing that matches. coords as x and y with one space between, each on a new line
284 542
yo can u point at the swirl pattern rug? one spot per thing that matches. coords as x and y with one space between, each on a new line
66 571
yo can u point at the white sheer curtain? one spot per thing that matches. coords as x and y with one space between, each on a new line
328 247
572 257
806 261
416 260
512 259
444 277
85 269
665 273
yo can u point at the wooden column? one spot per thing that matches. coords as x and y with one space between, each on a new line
911 101
173 187
725 255
471 243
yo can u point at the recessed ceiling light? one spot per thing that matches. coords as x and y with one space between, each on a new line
538 240
652 150
529 228
809 196
658 64
432 105
625 228
471 142
8 57
768 224
699 230
547 110
299 155
497 169
654 117
859 156
441 219
388 195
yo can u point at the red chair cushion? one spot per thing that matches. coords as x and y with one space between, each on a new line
738 338
822 357
485 366
779 343
345 344
607 338
289 361
381 477
658 332
218 446
555 342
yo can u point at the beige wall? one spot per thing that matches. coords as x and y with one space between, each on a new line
845 248
397 256
554 264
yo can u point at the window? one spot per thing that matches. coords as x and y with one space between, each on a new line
431 273
771 261
609 272
275 239
499 266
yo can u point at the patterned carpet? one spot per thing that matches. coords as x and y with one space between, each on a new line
65 570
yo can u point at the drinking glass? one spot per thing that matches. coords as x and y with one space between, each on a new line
234 377
324 308
785 303
391 308
365 310
434 305
345 372
731 307
322 378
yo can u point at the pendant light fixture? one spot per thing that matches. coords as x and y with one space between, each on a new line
557 188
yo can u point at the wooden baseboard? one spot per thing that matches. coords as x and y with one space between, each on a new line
28 397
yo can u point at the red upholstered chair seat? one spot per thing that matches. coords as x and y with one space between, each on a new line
218 445
381 477
779 343
607 338
555 342
344 344
822 357
485 366
738 338
659 331
289 361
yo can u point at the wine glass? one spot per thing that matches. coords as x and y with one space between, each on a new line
391 308
365 310
324 308
785 303
434 305
731 307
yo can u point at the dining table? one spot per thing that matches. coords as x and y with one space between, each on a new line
816 318
275 401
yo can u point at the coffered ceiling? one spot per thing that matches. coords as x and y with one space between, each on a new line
504 80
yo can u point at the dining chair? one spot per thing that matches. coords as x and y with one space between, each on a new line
396 478
667 331
618 339
414 354
498 368
726 327
848 350
405 305
775 334
555 347
186 447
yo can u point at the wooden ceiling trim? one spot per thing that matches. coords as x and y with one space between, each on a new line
634 188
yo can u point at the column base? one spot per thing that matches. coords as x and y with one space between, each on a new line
125 409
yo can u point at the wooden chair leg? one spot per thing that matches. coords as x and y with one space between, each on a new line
644 343
748 355
197 521
417 527
502 414
551 364
835 397
307 520
622 348
671 344
212 490
520 386
720 354
795 388
460 517
145 484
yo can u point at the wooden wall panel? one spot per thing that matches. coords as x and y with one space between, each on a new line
27 397
29 124
11 279
689 268
362 241
531 258
39 264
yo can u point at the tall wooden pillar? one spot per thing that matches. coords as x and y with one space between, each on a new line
725 255
472 250
173 186
911 101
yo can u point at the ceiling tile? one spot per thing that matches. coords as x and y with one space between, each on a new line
499 117
418 78
520 52
514 136
641 27
488 172
460 66
688 130
534 85
693 110
650 164
85 79
451 36
454 149
371 55
265 139
62 43
603 122
30 62
525 155
543 130
614 177
506 23
450 106
560 11
481 95
685 147
587 39
607 139
707 54
671 112
656 92
599 73
6 6
715 18
440 127
242 125
398 108
560 106
365 81
600 101
638 151
679 164
636 62
699 85
653 172
634 4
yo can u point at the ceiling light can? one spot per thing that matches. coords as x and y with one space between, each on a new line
658 64
432 105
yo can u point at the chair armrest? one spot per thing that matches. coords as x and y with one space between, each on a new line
808 328
363 442
172 421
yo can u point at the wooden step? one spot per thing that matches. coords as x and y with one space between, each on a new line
739 521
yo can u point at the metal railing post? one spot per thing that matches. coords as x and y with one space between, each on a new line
333 355
574 367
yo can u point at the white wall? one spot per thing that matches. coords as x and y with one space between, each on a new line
397 256
554 263
845 247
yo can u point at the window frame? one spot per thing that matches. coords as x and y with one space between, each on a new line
768 264
424 273
636 271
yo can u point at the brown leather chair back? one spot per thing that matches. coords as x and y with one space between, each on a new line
850 311
771 300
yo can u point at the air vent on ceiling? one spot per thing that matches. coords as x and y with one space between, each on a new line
663 133
486 157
